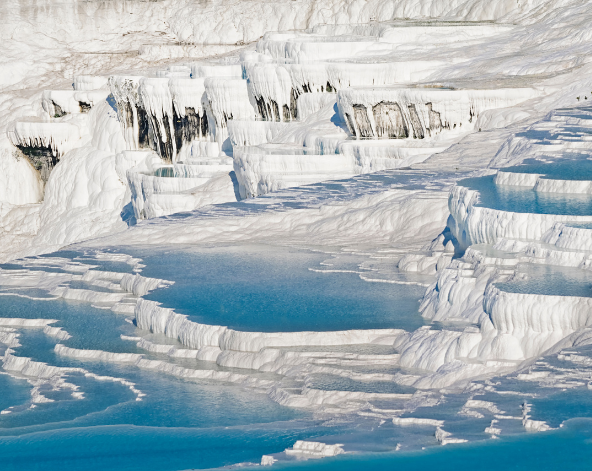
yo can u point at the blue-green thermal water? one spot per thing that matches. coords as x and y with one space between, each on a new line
550 280
269 290
177 425
526 200
568 167
126 447
583 225
566 449
182 424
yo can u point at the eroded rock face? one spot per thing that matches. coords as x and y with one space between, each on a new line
189 127
435 119
293 101
42 159
269 109
134 121
415 122
151 116
84 106
58 112
389 121
363 122
143 128
162 141
350 123
421 113
44 143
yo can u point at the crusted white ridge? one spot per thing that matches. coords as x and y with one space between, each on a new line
150 316
19 322
97 354
314 449
140 285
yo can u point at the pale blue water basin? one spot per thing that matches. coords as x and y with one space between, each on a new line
550 280
267 290
582 225
125 447
182 424
526 200
568 167
169 401
178 424
566 449
13 391
168 172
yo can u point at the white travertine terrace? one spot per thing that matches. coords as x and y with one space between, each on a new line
400 110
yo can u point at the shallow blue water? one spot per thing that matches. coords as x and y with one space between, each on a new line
568 167
525 200
179 424
109 429
330 382
164 172
267 290
550 280
566 449
90 327
124 447
182 424
13 391
582 225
